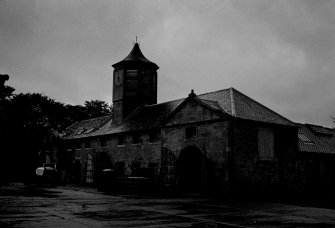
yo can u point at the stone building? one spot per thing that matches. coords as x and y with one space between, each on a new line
316 159
214 142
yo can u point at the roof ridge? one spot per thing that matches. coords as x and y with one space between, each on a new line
220 90
203 101
196 95
99 117
232 101
164 102
208 100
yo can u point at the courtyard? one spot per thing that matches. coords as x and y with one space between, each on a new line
72 206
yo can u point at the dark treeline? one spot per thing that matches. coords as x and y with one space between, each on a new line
28 121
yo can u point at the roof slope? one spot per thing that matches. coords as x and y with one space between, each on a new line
239 105
86 128
228 101
135 56
323 140
145 117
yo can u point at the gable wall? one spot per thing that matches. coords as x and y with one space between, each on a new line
212 140
192 112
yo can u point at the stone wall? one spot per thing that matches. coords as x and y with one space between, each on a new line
135 159
249 172
316 173
212 140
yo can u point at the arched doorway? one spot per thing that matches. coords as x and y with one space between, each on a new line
191 167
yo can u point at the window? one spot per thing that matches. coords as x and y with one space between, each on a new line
120 141
78 145
154 136
132 73
304 138
80 131
265 144
87 144
103 142
203 132
89 130
136 138
191 132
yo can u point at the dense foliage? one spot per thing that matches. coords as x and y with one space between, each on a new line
29 120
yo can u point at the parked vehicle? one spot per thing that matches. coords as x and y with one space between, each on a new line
47 173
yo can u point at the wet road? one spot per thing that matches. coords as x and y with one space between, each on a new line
64 206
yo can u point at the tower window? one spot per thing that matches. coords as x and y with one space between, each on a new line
191 132
132 73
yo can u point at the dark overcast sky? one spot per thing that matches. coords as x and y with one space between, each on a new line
281 53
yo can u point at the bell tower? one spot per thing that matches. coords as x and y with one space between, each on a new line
134 84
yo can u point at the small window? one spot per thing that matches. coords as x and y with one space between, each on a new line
136 138
78 145
80 131
154 136
265 144
203 132
87 144
89 130
120 141
103 142
304 138
191 132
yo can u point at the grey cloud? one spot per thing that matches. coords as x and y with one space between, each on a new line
279 52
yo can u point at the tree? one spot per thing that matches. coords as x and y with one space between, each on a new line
97 108
30 122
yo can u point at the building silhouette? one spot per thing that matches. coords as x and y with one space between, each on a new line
222 141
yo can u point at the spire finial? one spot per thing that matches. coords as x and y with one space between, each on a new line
136 39
192 94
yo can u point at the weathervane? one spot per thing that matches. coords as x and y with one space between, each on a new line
135 41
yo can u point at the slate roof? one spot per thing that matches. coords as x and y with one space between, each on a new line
86 128
241 106
135 56
322 139
228 101
145 117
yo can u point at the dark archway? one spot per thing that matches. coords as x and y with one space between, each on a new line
191 170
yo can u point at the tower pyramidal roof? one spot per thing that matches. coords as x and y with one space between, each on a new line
135 57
